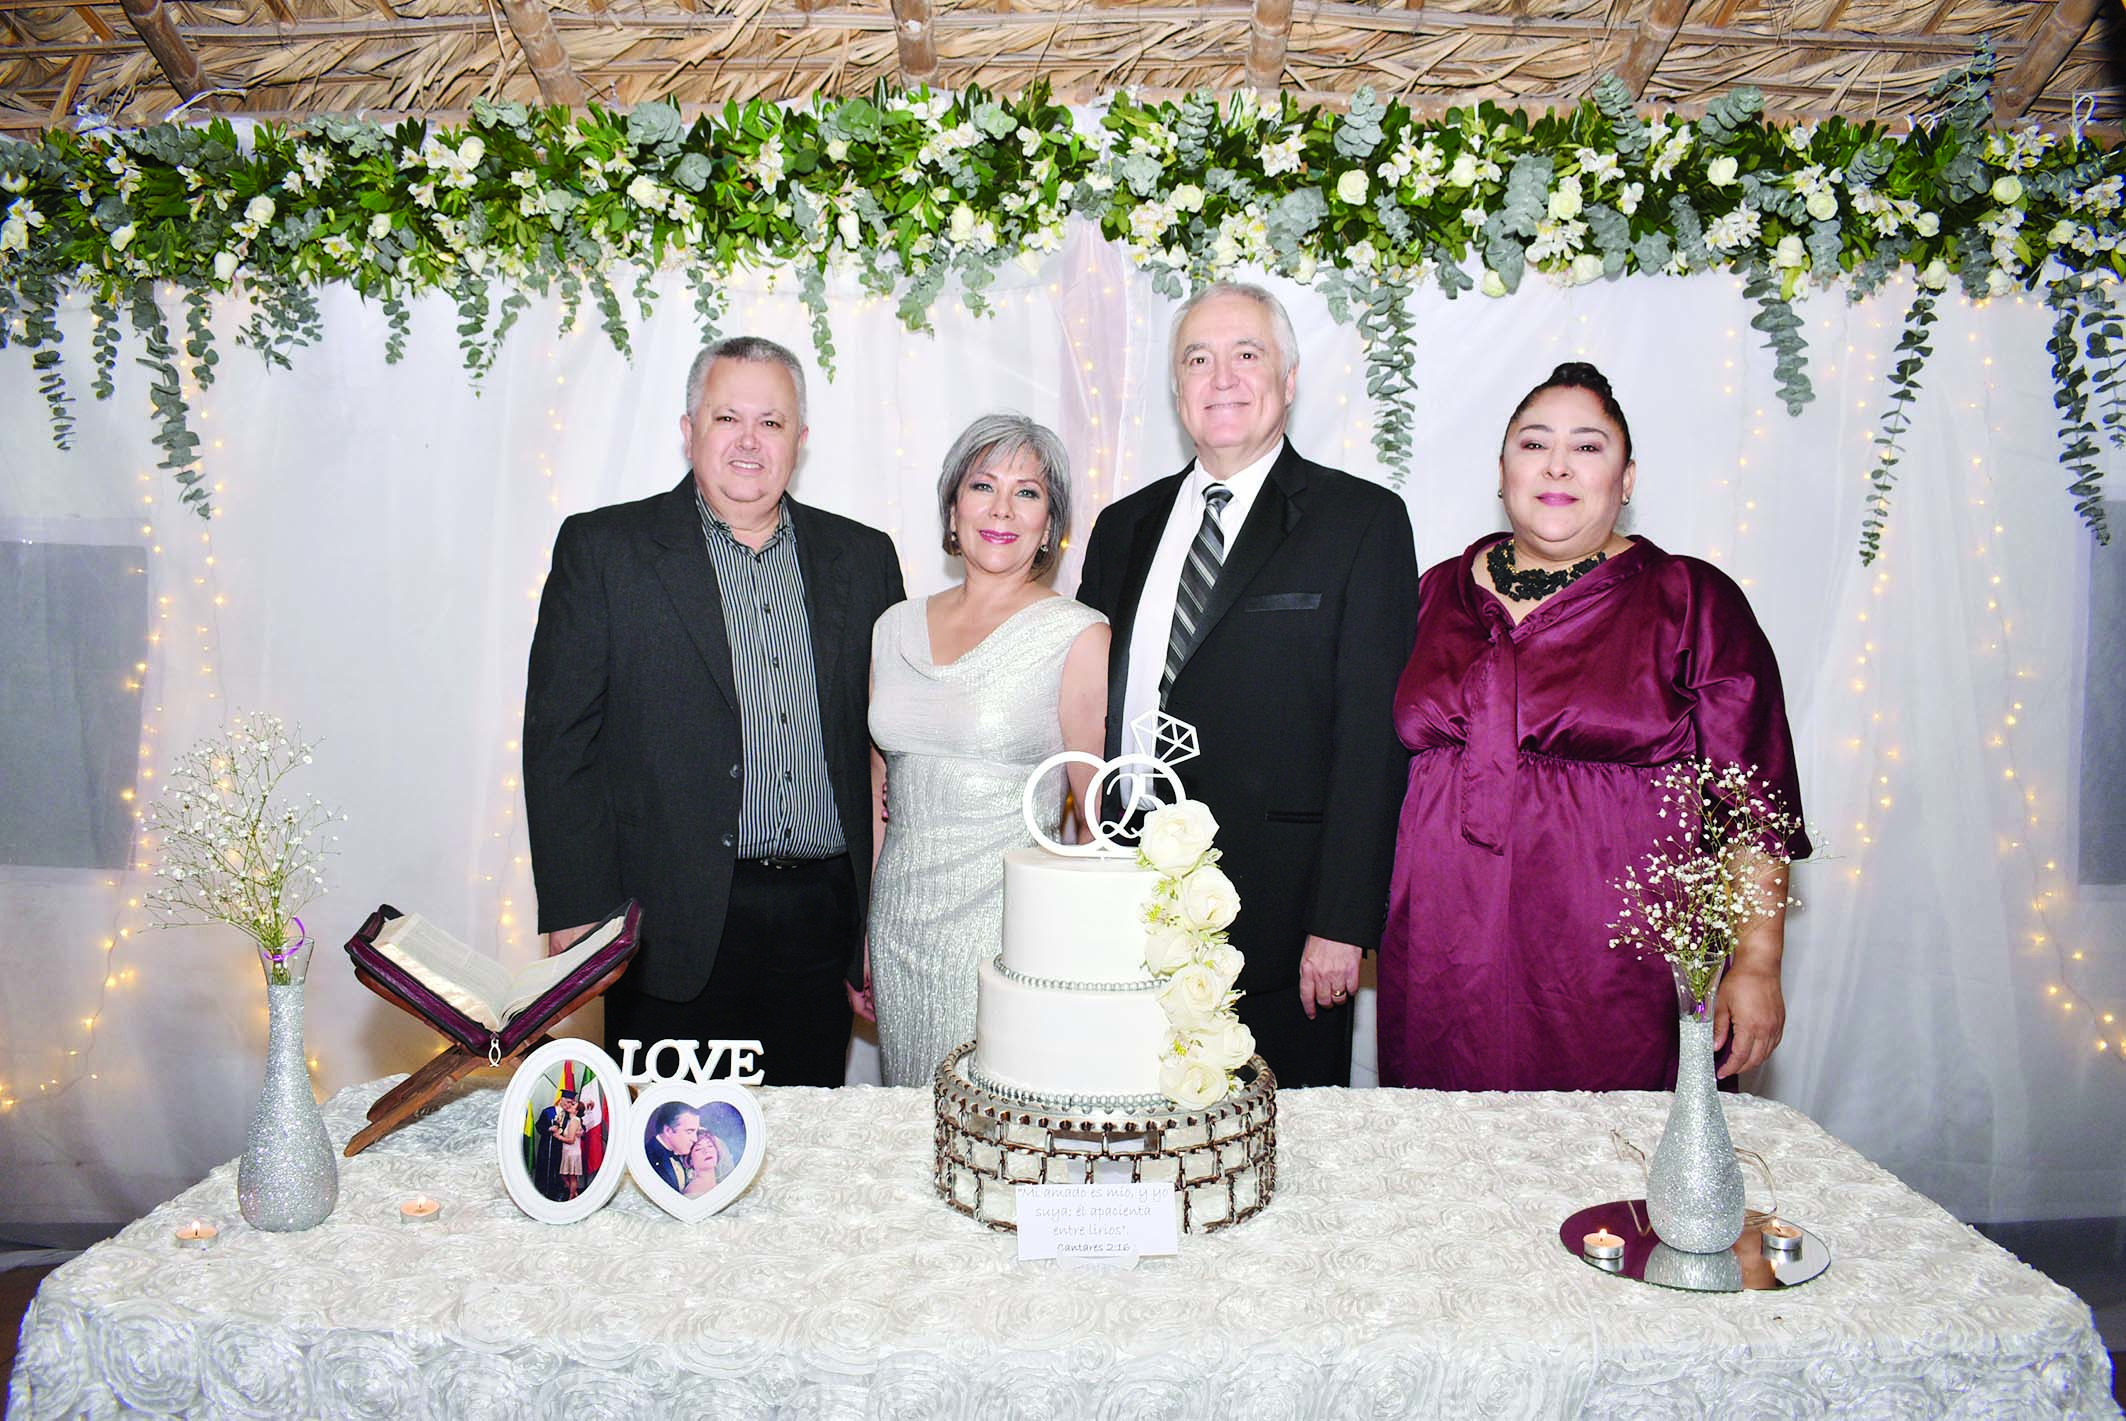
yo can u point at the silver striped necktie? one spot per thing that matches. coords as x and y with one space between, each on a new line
1198 575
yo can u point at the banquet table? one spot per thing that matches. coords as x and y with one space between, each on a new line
1409 1265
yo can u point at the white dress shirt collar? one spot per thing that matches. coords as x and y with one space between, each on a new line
1245 486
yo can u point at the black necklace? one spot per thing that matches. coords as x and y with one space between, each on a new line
1536 583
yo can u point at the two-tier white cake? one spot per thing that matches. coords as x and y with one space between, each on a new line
1069 1014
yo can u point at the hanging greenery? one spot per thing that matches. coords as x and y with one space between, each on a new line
1912 352
914 191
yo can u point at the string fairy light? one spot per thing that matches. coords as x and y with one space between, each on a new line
1882 722
2047 882
156 675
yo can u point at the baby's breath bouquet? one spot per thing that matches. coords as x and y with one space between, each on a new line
230 852
1708 879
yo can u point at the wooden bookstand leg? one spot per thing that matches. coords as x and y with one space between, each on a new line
443 1067
405 1104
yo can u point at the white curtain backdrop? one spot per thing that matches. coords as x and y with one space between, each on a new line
383 531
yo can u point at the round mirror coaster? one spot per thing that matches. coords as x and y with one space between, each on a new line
1617 1238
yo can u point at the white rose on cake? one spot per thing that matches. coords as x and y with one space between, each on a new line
1191 1081
1192 997
1176 836
1223 962
1208 899
1225 1043
1168 947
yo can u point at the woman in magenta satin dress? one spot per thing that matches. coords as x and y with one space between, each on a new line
1557 669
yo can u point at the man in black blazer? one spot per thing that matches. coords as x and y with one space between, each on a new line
669 1139
1284 654
695 732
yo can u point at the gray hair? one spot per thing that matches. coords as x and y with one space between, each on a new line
757 350
1280 321
996 437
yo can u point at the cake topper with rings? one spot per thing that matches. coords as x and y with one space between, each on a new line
1162 742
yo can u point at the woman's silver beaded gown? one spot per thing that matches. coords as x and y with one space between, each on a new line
959 741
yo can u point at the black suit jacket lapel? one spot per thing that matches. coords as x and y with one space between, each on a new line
819 561
689 577
1143 547
1276 512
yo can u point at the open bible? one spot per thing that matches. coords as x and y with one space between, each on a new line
470 997
491 1015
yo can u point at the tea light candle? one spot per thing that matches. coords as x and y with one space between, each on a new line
420 1209
197 1234
1602 1244
1782 1237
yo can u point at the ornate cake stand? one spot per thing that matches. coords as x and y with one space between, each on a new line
1221 1159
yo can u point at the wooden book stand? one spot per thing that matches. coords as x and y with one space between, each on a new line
416 1095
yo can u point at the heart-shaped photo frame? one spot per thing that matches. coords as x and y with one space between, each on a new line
694 1147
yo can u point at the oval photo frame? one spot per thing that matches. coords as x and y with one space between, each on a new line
531 1130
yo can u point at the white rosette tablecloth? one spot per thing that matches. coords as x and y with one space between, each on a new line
1408 1266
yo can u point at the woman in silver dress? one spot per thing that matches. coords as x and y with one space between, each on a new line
970 690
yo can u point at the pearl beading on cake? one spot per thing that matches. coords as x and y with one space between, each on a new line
1066 1104
1146 983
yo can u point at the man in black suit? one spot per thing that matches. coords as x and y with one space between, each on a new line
695 731
546 1148
669 1139
1271 603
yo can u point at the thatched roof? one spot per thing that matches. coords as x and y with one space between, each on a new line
135 59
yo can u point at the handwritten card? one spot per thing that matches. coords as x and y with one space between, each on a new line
1086 1221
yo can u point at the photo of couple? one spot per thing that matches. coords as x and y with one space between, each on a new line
694 1147
564 1141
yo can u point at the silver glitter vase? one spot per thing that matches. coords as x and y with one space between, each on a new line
289 1177
1719 1272
1694 1185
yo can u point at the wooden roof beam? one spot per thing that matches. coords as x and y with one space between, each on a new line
75 73
533 26
179 64
2060 30
1269 31
1655 35
917 41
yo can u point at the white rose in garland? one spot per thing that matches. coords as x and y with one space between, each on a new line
1193 998
1223 961
1168 947
1208 899
1225 1043
1191 1081
1176 837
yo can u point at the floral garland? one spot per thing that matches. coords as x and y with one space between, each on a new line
1185 942
913 190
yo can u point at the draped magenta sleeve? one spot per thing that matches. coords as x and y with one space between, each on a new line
1739 709
1535 749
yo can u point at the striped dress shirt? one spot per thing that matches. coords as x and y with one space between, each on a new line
787 807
